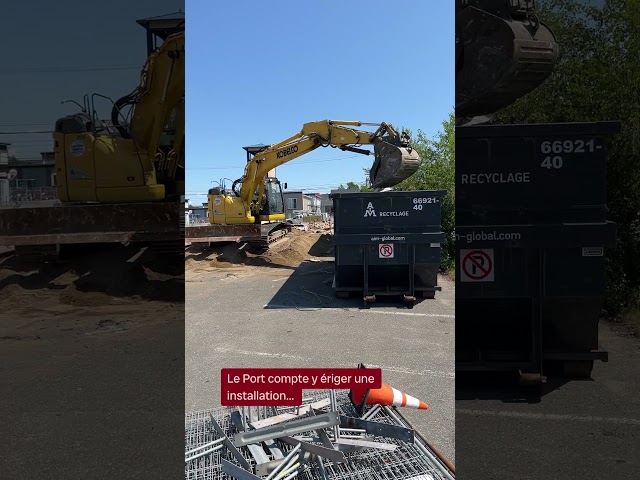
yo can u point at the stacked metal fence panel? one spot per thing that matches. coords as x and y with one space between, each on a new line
407 462
531 231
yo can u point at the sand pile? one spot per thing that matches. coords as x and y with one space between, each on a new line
97 277
298 247
291 251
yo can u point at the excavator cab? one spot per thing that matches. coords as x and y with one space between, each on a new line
502 53
272 207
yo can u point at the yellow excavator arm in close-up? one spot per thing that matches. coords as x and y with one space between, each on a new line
135 162
256 197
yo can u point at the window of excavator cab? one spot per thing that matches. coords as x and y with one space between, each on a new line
274 197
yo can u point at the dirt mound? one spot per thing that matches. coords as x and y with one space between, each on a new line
97 275
299 247
15 296
72 296
291 251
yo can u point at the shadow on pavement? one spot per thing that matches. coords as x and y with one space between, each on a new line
504 387
311 287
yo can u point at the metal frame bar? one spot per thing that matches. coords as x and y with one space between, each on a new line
232 448
378 429
295 426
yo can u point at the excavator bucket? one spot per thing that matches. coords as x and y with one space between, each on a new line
392 164
499 60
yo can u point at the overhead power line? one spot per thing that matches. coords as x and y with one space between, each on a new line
72 69
26 132
4 125
29 144
296 163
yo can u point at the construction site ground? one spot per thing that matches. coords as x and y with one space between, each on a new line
575 429
91 364
278 310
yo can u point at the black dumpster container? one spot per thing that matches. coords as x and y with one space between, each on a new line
531 231
387 243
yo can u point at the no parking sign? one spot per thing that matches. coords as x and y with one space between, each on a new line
477 265
385 250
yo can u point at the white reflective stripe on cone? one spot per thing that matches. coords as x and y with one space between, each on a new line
412 401
397 397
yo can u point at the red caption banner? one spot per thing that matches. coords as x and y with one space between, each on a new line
282 387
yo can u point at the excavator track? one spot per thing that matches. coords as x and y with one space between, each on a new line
257 237
61 229
270 233
90 223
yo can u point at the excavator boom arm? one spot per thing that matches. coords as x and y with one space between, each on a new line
159 95
258 168
399 158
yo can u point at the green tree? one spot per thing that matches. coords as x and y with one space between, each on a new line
358 187
437 172
598 78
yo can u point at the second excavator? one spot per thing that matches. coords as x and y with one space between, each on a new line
256 201
135 162
118 180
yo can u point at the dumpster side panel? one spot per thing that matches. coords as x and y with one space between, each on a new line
387 243
532 197
530 176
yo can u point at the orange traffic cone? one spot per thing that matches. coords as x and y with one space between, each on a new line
386 396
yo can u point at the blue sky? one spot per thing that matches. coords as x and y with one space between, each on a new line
256 71
49 54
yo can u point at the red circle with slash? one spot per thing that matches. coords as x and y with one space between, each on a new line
481 270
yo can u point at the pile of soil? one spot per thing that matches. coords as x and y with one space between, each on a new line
96 276
291 251
298 247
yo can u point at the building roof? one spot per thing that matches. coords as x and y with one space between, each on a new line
257 146
161 27
164 25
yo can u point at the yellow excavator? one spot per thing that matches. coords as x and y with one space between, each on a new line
256 199
136 161
122 179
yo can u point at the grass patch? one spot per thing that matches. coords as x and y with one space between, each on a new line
632 317
450 273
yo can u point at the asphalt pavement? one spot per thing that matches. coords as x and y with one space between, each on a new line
586 429
92 384
288 317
